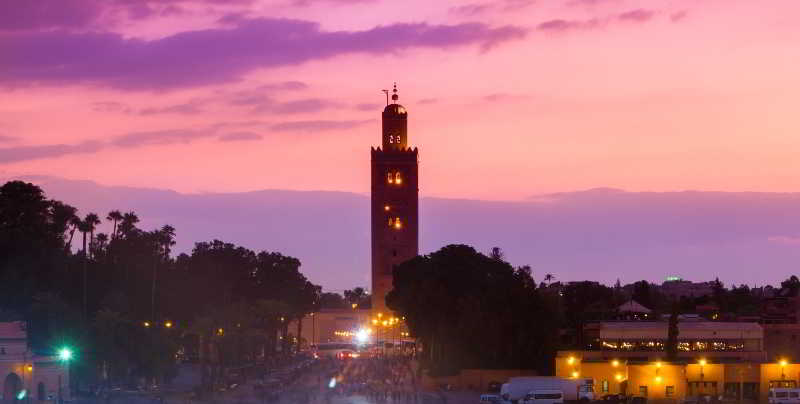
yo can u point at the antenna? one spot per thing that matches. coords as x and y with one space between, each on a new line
387 96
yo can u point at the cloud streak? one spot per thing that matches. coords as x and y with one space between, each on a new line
214 56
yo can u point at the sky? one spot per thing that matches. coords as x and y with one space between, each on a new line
507 98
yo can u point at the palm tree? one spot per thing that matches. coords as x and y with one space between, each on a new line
163 238
116 217
74 222
91 221
549 278
128 223
83 227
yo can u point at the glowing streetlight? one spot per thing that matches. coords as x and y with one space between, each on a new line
615 363
658 379
575 375
658 364
571 360
168 324
146 324
783 363
64 354
618 377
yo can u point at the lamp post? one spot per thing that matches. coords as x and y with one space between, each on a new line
702 363
64 355
783 364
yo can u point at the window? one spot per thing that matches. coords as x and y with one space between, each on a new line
605 386
397 178
643 391
390 177
40 393
670 391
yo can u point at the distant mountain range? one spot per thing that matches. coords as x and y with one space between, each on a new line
601 234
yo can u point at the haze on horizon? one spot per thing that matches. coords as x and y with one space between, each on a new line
507 98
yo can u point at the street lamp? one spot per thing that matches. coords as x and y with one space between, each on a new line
702 363
64 355
783 363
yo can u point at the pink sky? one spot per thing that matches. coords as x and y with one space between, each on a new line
506 98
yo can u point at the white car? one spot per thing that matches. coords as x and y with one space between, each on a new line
544 397
784 396
492 399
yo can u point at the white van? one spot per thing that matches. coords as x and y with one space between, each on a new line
784 396
544 397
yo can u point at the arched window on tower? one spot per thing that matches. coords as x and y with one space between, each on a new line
390 177
398 179
397 223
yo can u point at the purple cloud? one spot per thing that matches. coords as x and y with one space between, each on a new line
567 25
368 106
471 10
188 108
214 56
110 106
23 153
678 16
302 106
316 126
160 137
292 85
638 15
18 15
45 14
7 139
240 137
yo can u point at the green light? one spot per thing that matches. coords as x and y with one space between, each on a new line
21 394
65 354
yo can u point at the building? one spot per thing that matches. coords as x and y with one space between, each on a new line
394 202
28 374
715 359
676 288
645 340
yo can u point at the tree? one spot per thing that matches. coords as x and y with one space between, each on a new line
791 286
359 297
114 216
672 333
450 296
91 221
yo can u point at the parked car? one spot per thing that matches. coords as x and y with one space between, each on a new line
544 397
783 396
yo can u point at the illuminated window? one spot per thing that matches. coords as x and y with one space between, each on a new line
605 386
391 221
670 391
397 223
397 178
390 177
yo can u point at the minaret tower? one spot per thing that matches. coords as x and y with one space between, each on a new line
395 202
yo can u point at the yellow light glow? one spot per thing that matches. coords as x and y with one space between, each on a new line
615 363
380 315
570 360
702 362
354 305
398 181
658 379
397 223
618 377
387 208
784 362
374 321
147 324
168 324
30 368
575 375
658 364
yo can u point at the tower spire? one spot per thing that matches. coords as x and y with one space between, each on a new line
394 94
